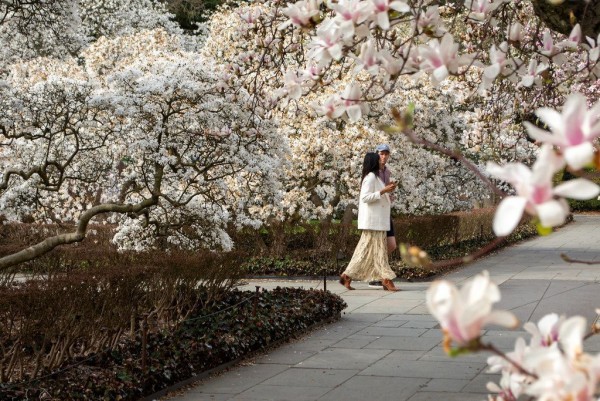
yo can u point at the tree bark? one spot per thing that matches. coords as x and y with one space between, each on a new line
563 17
78 235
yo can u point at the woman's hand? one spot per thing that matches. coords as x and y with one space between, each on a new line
388 188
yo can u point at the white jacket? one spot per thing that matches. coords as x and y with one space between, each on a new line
373 208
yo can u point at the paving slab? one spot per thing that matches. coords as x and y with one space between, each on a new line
445 385
263 392
239 379
404 343
388 346
341 358
361 388
435 396
400 367
303 377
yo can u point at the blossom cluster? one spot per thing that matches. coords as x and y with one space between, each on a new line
136 123
323 167
552 365
364 48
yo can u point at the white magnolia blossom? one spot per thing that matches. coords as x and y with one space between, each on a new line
463 313
574 130
535 193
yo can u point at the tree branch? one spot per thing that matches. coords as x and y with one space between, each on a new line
78 235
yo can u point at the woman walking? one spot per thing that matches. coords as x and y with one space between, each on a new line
370 259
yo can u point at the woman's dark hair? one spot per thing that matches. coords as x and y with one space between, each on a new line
370 165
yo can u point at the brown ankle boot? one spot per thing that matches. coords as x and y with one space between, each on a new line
345 281
388 285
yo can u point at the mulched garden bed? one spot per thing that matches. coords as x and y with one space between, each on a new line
240 323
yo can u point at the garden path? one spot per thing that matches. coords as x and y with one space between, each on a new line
387 347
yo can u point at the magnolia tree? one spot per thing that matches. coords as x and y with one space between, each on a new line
362 50
532 71
135 131
64 28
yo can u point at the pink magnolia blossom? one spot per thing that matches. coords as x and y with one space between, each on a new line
300 13
573 40
535 194
332 108
381 9
441 58
500 63
390 64
367 58
559 377
327 45
594 48
250 16
550 50
515 32
554 329
352 104
429 22
532 73
313 72
462 313
480 9
293 85
574 130
545 333
510 388
350 13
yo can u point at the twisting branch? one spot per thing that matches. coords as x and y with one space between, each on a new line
454 155
78 235
584 262
469 258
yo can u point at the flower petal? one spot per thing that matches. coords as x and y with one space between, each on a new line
502 318
580 155
571 335
492 71
551 118
440 73
579 188
383 21
440 298
508 215
354 113
552 213
400 6
540 135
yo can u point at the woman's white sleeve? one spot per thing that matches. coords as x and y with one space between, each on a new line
368 191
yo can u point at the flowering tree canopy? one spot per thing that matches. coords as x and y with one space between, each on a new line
137 129
114 96
352 60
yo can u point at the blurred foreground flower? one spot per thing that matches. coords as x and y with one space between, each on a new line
414 256
535 194
573 131
462 313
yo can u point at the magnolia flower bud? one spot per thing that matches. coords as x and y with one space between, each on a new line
515 32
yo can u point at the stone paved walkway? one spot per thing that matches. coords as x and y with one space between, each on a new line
387 347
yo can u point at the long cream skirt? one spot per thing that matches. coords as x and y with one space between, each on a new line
370 259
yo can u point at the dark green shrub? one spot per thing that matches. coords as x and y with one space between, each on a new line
591 205
215 333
